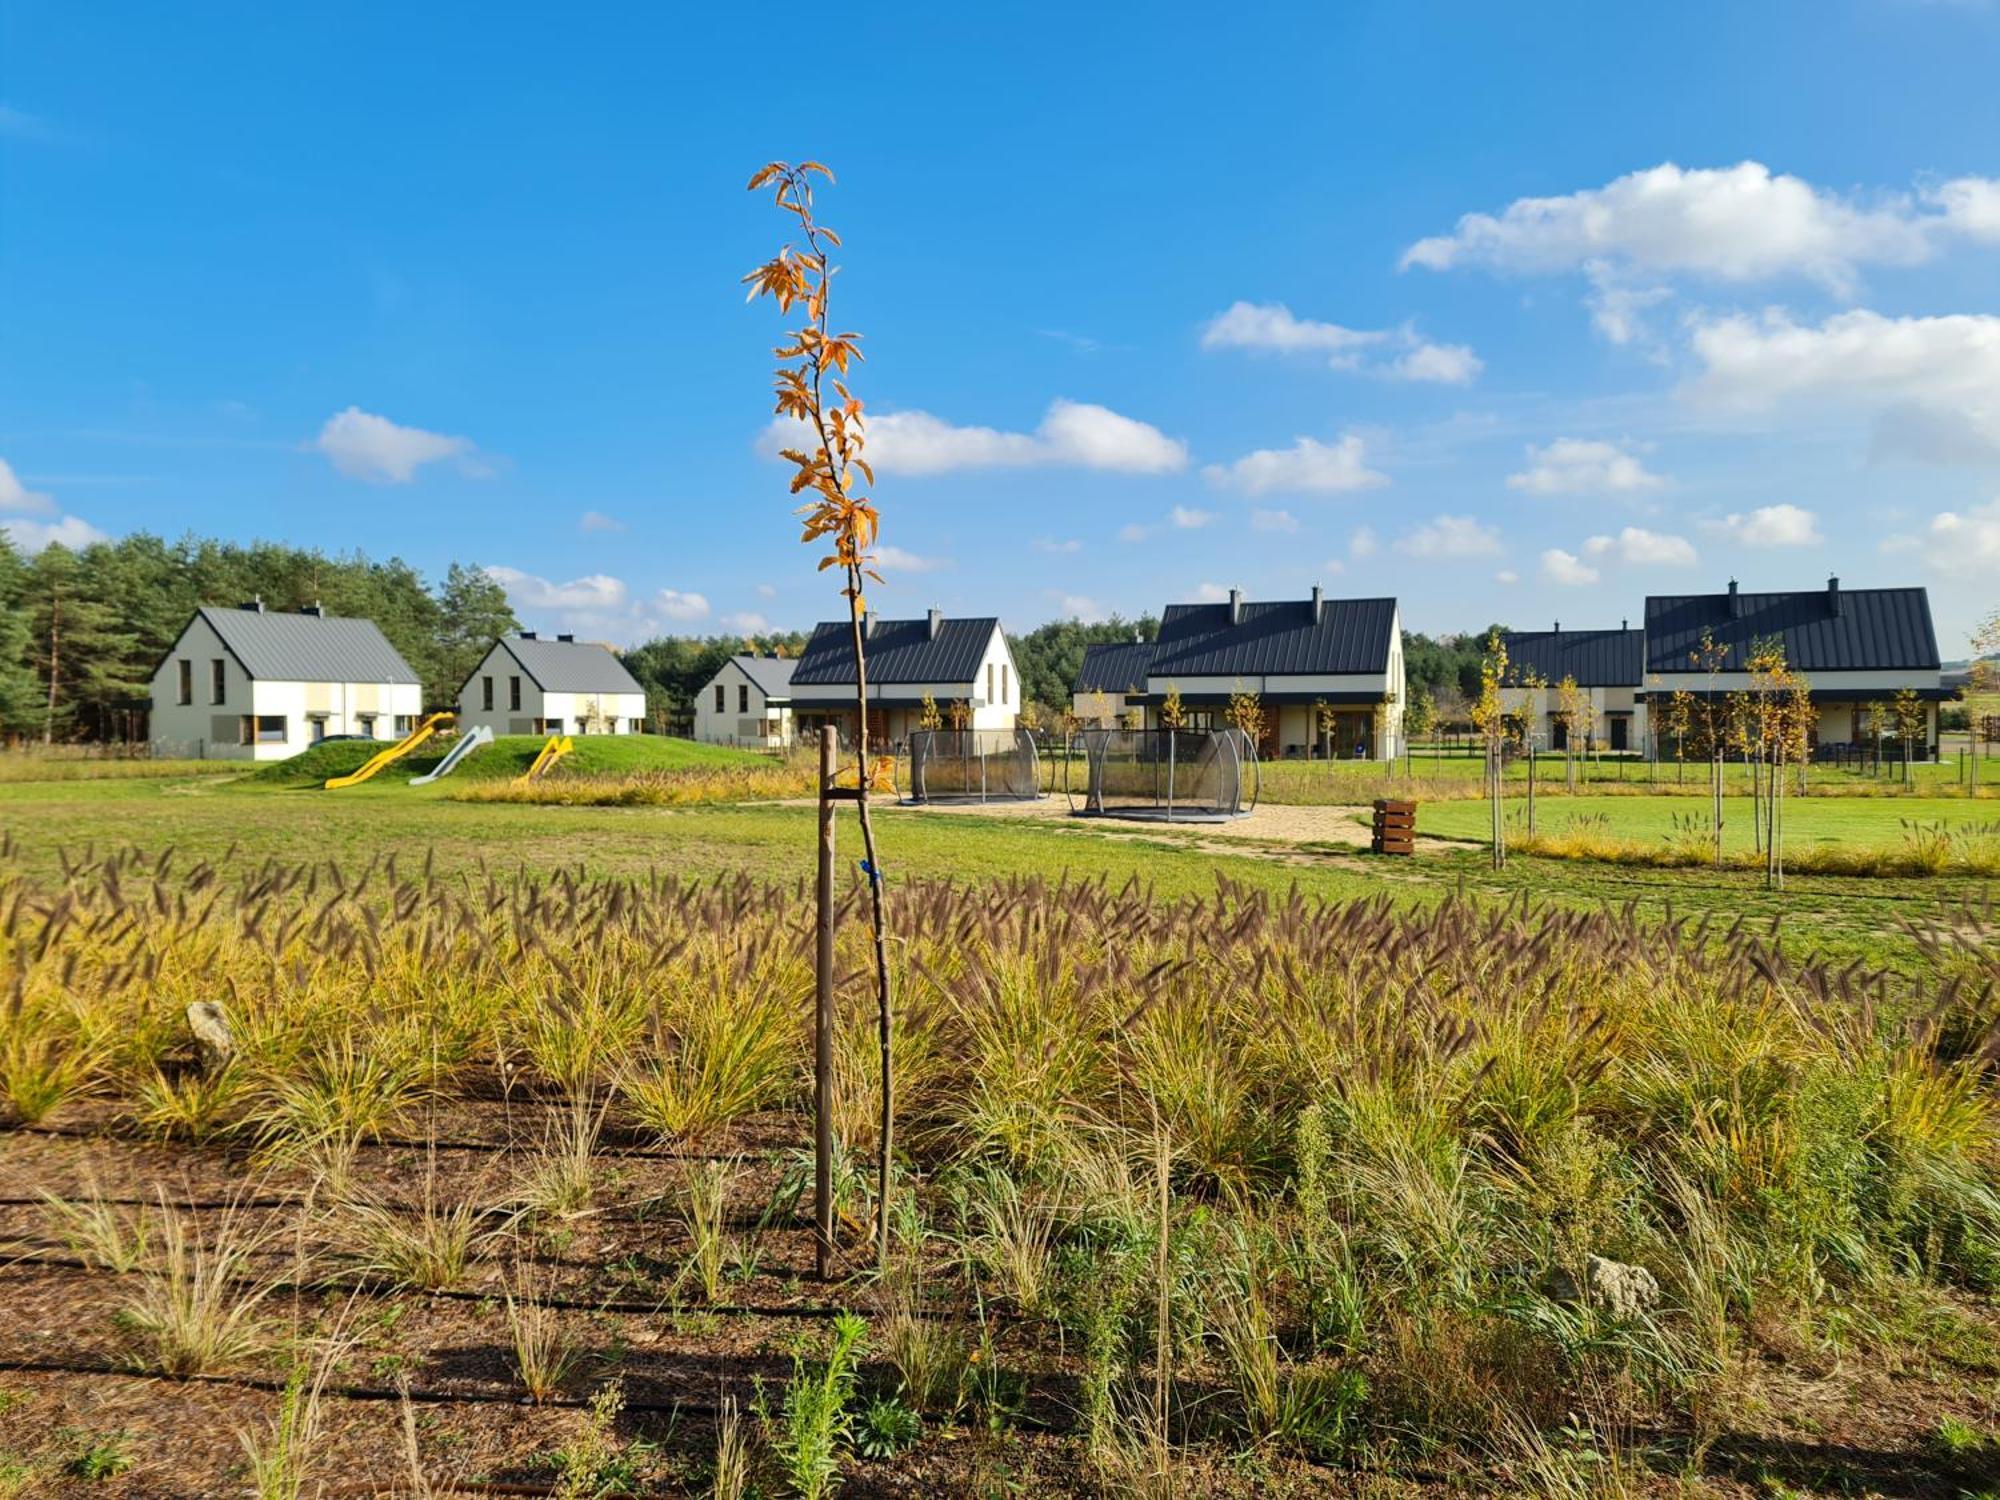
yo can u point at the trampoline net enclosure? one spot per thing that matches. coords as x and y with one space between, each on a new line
1171 775
973 765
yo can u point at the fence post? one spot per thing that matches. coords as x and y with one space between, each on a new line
823 1015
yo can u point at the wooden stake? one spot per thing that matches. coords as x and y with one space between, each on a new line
823 1019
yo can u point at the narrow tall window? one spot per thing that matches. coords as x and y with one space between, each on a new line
721 697
186 680
1003 682
486 694
218 681
989 682
514 694
742 698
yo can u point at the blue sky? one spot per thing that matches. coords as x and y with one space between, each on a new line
1515 312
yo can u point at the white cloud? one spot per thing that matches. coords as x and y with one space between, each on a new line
896 560
1931 384
1770 526
362 445
767 591
1334 566
1077 607
1307 467
1646 548
1363 543
1211 593
1062 545
1271 327
597 520
1273 520
1618 310
1583 466
1971 205
1739 223
1134 532
1507 576
596 592
1186 518
1960 543
16 496
1567 568
1450 536
745 622
72 532
1073 434
676 605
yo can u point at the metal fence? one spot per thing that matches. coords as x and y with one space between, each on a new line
1164 775
974 765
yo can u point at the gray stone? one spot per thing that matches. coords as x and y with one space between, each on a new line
1620 1290
214 1044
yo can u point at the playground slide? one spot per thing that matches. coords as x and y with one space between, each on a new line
558 746
394 753
480 735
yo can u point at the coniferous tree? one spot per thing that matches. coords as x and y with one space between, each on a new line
18 698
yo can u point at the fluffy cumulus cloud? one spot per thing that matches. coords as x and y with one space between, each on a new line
1930 385
597 520
1733 224
1958 543
1782 525
1211 593
598 592
29 519
1583 466
1072 434
675 604
1567 569
1076 607
1308 467
1397 353
365 446
1507 576
597 605
1363 543
1646 548
745 622
897 560
18 498
1450 536
1273 520
1188 518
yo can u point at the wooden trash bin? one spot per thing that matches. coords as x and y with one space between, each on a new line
1395 827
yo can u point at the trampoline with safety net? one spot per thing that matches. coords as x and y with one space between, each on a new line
973 765
1161 775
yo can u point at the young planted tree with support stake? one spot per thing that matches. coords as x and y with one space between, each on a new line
830 470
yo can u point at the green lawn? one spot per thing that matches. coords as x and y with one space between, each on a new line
203 817
1875 822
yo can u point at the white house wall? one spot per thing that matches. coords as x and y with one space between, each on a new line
732 724
607 713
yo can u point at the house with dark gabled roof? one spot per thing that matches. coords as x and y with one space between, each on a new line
1110 682
1305 659
1609 670
965 662
262 684
748 702
1855 647
526 684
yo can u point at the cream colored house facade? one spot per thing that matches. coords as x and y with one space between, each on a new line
526 684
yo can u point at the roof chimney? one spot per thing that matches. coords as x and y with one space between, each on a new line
255 602
1833 596
1625 624
527 635
1319 605
315 609
1559 628
569 638
1735 601
937 621
1236 606
868 624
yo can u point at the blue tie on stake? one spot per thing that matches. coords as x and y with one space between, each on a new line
873 874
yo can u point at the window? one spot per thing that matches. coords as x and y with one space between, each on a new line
514 694
218 681
406 723
186 680
638 727
1003 682
315 727
264 729
721 697
486 694
743 698
367 722
989 682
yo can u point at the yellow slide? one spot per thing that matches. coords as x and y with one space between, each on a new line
394 753
558 746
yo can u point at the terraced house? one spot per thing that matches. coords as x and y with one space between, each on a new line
1328 673
747 703
1856 647
1609 670
252 683
953 662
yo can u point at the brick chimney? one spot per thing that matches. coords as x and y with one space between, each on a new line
1833 597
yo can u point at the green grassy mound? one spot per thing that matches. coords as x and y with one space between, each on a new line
508 755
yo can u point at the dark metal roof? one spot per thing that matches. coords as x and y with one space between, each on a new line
772 675
570 666
275 646
1115 667
1872 630
898 651
1341 698
1595 658
1279 637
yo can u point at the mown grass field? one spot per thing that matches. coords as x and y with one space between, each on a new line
1859 822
